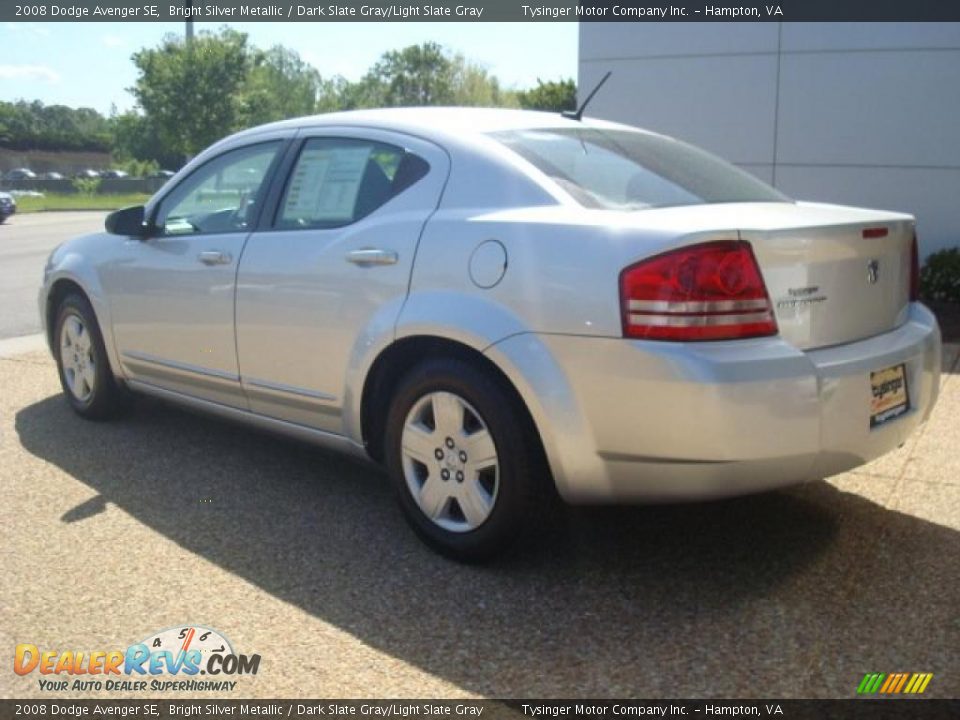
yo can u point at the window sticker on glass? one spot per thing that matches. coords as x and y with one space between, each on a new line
324 185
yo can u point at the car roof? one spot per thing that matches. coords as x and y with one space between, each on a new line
438 122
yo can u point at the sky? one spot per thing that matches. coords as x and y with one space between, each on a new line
88 64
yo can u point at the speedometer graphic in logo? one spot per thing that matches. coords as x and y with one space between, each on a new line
190 638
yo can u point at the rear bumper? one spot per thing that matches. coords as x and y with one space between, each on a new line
648 421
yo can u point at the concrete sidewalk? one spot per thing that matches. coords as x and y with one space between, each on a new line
111 531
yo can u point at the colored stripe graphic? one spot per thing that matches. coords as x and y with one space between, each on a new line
891 681
894 683
918 683
870 683
903 679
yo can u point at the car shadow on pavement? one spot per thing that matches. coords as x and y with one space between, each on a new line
791 593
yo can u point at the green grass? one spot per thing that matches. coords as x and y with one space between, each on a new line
55 201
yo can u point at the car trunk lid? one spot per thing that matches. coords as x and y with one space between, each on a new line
835 275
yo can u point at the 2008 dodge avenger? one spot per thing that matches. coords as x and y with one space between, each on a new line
495 304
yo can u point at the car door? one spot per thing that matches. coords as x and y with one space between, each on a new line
172 295
336 259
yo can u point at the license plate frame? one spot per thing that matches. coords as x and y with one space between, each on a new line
889 394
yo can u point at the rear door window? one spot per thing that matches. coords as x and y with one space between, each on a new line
337 181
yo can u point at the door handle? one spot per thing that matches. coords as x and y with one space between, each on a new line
372 256
214 257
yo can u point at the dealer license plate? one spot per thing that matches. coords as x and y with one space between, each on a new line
889 398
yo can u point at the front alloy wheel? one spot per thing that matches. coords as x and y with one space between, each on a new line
82 362
76 356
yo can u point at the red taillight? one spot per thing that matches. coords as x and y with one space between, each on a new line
914 270
711 291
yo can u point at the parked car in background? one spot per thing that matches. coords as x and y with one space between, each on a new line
53 175
88 174
165 174
20 174
114 174
8 206
498 305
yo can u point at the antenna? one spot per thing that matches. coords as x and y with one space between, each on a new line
578 113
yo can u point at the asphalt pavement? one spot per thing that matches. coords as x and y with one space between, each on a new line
111 531
25 242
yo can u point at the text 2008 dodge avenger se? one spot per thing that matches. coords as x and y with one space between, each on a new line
494 302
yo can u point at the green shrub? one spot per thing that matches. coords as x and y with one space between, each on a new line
940 276
86 186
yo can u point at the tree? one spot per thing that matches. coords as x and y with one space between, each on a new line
35 126
136 138
191 92
474 86
550 96
280 85
417 75
334 94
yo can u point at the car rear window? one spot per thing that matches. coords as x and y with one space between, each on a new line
624 170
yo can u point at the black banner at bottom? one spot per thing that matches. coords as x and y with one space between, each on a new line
161 709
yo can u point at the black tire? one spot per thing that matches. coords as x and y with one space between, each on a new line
516 451
106 399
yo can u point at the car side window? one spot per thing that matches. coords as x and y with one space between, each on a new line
221 196
337 181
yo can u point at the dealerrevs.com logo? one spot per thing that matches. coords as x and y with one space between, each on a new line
184 653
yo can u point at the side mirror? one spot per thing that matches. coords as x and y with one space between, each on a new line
127 221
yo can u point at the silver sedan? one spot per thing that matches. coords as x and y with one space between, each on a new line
501 305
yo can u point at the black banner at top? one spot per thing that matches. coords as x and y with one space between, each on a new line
479 11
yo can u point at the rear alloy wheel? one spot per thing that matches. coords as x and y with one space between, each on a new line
450 462
82 362
460 459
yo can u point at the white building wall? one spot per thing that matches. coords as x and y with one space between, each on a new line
853 113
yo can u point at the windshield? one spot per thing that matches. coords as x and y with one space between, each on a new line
624 170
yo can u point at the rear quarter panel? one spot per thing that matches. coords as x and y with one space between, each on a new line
562 269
